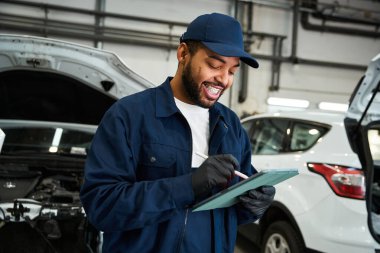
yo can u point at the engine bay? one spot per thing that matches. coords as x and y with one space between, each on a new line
40 206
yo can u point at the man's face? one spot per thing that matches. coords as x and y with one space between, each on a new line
206 75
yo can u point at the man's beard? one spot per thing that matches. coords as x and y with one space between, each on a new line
192 89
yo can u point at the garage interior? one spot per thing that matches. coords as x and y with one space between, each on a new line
312 53
301 45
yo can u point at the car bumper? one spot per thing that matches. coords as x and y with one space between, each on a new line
337 225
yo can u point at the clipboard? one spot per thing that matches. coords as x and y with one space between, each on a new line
229 196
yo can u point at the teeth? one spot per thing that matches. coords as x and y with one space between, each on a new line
213 90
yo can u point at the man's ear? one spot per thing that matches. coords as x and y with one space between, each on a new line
182 52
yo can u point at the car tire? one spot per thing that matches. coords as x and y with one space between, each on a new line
281 237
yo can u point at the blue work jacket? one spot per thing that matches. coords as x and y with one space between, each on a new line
137 186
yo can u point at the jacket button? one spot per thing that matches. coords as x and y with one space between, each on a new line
152 159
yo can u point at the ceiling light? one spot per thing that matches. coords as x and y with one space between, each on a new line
333 106
56 140
289 102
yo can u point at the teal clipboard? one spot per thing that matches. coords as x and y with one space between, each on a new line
229 196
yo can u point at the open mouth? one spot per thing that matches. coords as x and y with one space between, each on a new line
212 92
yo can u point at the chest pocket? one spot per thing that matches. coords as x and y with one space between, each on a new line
156 161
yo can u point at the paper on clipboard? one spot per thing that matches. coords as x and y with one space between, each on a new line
229 196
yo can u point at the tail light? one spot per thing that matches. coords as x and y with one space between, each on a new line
345 181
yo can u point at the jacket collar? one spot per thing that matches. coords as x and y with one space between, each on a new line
165 105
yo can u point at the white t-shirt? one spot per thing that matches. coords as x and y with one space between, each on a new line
198 119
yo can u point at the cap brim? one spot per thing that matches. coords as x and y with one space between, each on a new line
231 51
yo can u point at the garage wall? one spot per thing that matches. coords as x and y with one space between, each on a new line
307 81
161 62
311 81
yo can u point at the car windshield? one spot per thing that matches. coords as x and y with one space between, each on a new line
45 140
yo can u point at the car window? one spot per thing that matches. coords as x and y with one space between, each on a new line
305 135
247 125
268 136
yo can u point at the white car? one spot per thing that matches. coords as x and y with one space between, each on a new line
52 96
321 209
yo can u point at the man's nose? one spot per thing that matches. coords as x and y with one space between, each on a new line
223 78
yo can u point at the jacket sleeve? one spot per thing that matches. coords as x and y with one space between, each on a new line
112 197
244 216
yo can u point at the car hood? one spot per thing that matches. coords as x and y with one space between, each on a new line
365 101
52 80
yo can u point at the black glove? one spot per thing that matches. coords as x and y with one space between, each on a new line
258 200
216 170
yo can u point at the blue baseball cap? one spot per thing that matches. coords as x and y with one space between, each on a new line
221 34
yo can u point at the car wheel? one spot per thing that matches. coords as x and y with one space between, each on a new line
280 237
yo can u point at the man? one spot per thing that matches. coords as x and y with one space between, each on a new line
143 174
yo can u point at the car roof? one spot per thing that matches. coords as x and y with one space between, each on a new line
327 117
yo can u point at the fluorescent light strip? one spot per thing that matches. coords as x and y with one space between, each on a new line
56 140
2 137
57 137
289 102
333 106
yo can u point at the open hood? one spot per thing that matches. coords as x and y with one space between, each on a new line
52 80
362 123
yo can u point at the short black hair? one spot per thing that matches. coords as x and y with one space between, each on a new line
193 45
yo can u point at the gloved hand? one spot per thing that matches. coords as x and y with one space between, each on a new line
216 170
258 200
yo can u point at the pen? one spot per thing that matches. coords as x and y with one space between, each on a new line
237 173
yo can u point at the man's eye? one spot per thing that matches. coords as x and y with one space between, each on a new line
215 66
